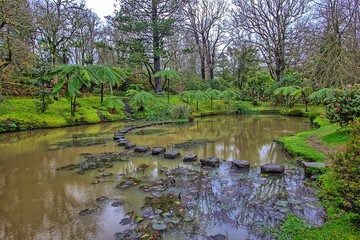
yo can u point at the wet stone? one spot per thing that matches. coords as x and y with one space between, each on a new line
272 168
142 149
158 150
210 162
117 204
130 145
118 136
171 155
190 158
241 164
122 142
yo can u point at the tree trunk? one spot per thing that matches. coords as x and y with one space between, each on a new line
102 93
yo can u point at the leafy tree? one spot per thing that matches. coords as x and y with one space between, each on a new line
140 100
71 79
107 75
288 94
213 94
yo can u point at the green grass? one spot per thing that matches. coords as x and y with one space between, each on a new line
294 228
20 114
328 134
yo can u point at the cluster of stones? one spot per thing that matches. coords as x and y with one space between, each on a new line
205 162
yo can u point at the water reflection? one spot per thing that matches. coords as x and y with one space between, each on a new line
38 202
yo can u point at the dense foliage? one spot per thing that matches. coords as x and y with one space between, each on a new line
343 104
347 170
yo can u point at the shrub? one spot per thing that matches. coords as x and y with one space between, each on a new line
180 111
239 108
219 84
343 105
347 170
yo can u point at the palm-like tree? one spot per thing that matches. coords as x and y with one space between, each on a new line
71 79
303 93
140 100
287 93
107 75
213 94
168 74
196 95
320 95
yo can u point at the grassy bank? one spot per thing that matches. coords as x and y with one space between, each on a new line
19 113
315 145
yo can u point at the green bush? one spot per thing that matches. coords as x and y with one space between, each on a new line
347 170
296 112
255 102
343 105
239 108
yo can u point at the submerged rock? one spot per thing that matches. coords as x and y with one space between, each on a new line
142 149
190 158
240 164
158 150
210 162
272 168
171 155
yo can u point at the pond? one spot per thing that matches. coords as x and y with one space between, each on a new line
44 194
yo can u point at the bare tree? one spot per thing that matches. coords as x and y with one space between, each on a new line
57 22
205 23
272 28
335 57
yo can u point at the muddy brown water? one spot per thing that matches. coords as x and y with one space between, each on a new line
39 202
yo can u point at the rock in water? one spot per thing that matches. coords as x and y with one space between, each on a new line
190 158
210 162
272 168
240 164
171 155
142 149
158 150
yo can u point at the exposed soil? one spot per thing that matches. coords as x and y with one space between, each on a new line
322 148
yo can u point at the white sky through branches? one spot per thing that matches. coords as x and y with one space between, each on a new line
101 7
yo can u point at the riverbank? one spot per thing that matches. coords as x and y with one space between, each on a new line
20 113
320 145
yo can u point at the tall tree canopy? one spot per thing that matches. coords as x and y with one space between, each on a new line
148 23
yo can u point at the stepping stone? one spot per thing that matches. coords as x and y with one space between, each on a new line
240 164
171 155
142 149
118 136
158 150
122 142
130 145
210 162
190 158
272 168
313 168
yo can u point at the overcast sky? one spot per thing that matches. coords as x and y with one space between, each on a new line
101 7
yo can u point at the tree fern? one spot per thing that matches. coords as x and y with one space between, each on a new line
140 100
